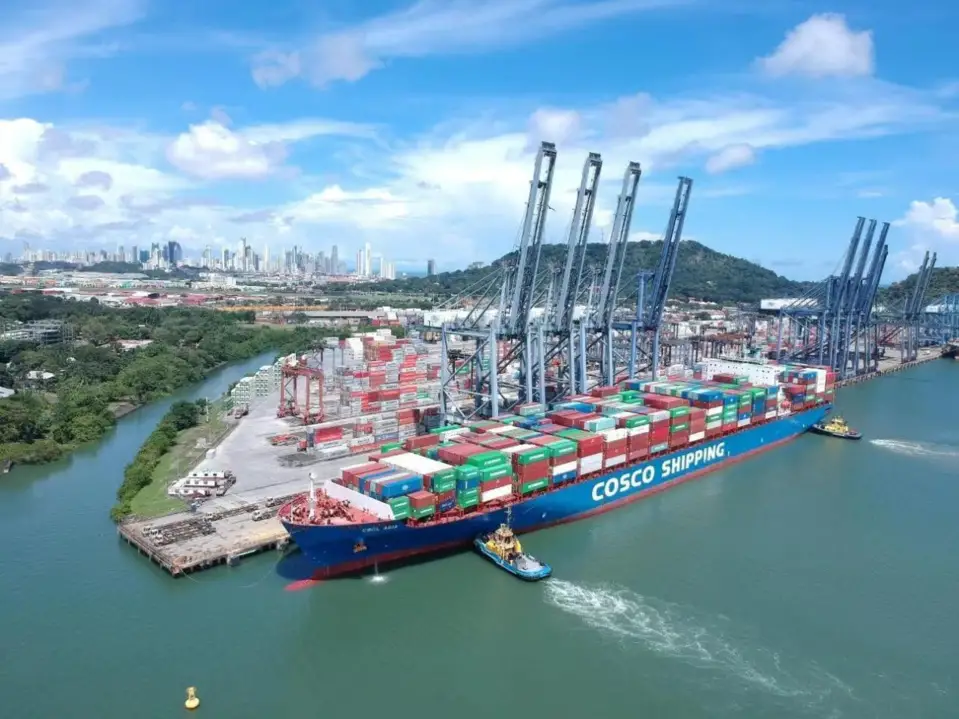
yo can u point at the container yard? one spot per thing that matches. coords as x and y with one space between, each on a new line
372 389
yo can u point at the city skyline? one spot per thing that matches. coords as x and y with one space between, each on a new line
243 258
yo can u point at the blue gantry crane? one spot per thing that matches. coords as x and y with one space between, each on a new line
519 352
839 323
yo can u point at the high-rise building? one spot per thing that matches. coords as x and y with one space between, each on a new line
367 260
334 260
430 268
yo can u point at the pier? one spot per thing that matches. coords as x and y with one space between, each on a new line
891 366
186 542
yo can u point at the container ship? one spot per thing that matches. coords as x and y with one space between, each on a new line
587 455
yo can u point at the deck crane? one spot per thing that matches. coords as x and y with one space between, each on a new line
914 308
651 306
839 302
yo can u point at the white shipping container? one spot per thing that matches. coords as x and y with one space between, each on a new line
415 463
593 463
498 430
696 436
659 415
617 460
498 493
770 414
614 435
642 429
743 422
714 411
517 448
563 468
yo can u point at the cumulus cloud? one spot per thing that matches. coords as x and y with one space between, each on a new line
212 151
731 157
434 27
86 202
822 46
930 226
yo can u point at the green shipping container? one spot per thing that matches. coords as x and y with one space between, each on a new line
638 421
390 446
423 513
679 411
659 447
561 447
536 484
487 459
464 502
467 471
443 484
445 428
488 474
400 507
676 428
468 494
531 456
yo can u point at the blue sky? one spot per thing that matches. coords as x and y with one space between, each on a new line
412 125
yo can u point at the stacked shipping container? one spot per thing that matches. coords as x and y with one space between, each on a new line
518 455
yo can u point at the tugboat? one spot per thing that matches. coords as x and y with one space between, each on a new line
504 550
836 427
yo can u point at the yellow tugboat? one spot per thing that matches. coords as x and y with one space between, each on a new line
836 427
504 549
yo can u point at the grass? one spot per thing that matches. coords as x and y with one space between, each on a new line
153 500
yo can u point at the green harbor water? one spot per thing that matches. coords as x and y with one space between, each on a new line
818 580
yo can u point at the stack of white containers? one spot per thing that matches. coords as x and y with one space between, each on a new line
591 463
498 493
614 435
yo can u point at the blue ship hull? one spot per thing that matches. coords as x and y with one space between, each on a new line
337 549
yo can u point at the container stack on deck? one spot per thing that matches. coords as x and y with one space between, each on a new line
457 469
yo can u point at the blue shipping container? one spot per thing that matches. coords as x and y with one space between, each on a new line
467 483
365 479
564 477
446 505
393 488
744 415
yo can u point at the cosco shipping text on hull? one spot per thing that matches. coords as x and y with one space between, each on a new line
337 549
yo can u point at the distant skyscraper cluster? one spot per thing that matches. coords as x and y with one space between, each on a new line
242 259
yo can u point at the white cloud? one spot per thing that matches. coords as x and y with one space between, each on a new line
731 157
932 226
434 27
822 46
457 192
212 150
37 45
938 219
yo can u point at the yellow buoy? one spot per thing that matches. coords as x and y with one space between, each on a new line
192 701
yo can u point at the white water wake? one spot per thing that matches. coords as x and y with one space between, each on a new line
672 631
917 449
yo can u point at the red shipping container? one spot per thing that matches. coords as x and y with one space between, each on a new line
506 481
501 442
698 425
592 444
533 470
614 449
550 428
637 442
422 499
637 454
443 496
714 432
424 440
604 391
678 439
378 456
658 434
352 474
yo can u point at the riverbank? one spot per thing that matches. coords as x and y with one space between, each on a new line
191 446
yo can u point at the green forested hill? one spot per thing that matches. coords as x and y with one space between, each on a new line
945 281
701 273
